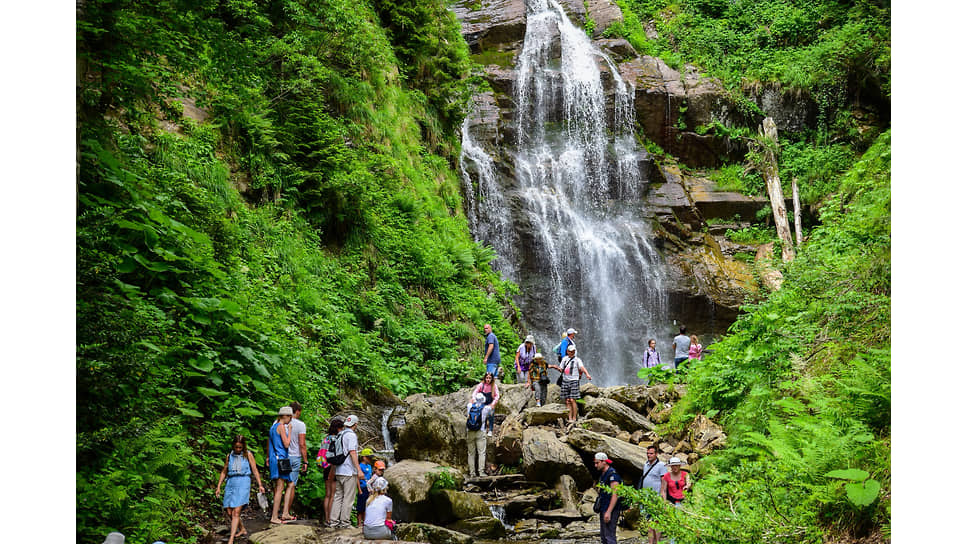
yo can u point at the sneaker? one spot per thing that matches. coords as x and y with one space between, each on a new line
490 433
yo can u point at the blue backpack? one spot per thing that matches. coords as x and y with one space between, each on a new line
475 418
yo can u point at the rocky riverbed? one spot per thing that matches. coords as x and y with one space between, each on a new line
543 487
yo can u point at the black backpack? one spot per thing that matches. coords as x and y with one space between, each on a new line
474 417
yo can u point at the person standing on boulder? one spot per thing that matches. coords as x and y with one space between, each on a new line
477 412
568 340
681 344
348 476
652 472
523 357
492 351
489 388
538 379
607 503
571 368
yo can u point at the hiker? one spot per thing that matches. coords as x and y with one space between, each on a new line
568 340
378 525
681 344
538 379
378 468
366 465
675 482
607 504
239 468
571 368
332 434
695 348
651 359
489 388
348 476
297 459
277 454
477 412
523 358
492 351
652 472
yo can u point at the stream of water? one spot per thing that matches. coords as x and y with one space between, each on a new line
580 248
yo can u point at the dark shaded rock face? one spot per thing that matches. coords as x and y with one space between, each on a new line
492 24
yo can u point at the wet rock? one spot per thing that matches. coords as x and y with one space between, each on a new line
494 24
524 505
640 398
435 429
605 13
568 492
559 515
424 532
450 505
480 527
619 48
545 458
618 414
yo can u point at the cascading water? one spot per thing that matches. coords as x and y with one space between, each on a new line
579 248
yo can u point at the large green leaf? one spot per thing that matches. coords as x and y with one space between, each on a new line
854 474
201 363
863 494
209 392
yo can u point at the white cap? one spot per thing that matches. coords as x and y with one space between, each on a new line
480 397
571 347
600 456
674 461
285 410
571 331
351 420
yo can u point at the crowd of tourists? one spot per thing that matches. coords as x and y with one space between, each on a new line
354 477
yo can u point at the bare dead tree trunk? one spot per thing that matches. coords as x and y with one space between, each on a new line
797 224
771 175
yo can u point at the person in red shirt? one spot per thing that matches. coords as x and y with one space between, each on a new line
675 482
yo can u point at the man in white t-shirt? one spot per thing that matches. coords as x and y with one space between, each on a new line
297 457
348 476
571 368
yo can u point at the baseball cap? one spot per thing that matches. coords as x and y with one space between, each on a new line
351 420
366 451
600 456
285 410
379 464
571 331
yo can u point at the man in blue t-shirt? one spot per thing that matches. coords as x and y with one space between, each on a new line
608 502
568 340
492 352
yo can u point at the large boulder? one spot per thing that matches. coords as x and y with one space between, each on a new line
548 414
545 458
411 482
514 398
567 490
640 398
627 459
434 429
288 533
507 445
423 532
599 425
617 413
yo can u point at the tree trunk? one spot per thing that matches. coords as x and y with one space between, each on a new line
775 190
797 224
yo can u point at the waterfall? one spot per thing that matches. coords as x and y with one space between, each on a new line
387 451
580 247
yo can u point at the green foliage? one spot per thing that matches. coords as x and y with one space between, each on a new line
752 235
837 53
443 479
735 177
802 386
299 244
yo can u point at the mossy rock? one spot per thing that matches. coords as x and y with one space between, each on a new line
481 527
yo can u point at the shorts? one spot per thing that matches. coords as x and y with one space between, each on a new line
570 389
491 368
294 475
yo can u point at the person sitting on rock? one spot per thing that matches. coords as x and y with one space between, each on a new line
379 508
489 388
538 379
477 412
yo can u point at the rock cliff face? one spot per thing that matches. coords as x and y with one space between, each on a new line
674 109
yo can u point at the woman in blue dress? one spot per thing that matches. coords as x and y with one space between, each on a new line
239 468
279 436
